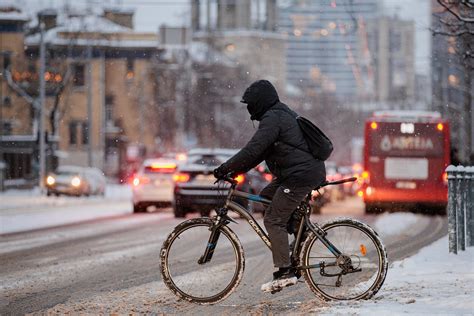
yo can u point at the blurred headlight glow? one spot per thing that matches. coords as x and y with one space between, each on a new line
50 180
76 182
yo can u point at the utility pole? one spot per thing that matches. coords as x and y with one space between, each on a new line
42 158
89 103
103 139
141 110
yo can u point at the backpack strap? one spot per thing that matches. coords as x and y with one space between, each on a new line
291 145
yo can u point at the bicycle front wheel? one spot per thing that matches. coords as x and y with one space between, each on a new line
366 255
202 283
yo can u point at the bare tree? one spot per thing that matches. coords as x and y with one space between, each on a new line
455 20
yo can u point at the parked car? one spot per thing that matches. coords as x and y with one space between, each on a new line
153 184
194 188
76 181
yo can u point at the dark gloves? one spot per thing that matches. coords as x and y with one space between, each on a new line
220 172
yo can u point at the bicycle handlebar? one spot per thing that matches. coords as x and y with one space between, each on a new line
227 178
352 179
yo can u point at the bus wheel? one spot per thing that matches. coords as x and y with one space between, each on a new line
371 209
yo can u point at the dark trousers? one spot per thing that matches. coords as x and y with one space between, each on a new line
285 199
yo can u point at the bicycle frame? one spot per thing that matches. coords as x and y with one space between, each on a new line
223 219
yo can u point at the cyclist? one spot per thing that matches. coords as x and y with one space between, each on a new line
280 142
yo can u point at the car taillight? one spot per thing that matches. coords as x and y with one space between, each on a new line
140 180
240 178
445 177
181 177
162 167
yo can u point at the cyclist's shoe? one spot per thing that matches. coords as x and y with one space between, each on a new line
281 279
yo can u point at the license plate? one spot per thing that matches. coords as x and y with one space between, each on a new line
204 179
405 185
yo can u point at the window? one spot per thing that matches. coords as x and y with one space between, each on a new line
109 108
85 133
6 60
7 128
7 102
73 133
130 71
79 75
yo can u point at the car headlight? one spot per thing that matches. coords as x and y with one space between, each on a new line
50 180
76 181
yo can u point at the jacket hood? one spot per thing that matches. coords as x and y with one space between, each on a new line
259 97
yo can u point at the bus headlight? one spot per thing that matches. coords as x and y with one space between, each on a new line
50 180
76 182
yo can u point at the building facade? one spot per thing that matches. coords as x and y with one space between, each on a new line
391 43
326 46
245 31
100 103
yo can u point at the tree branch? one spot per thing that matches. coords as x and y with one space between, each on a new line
454 13
456 33
467 3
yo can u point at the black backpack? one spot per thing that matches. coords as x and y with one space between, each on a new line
320 146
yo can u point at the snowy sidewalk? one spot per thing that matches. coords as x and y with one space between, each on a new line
431 282
27 210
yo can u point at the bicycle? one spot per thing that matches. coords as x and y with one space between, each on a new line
202 260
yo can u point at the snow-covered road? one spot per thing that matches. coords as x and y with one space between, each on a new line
111 266
28 210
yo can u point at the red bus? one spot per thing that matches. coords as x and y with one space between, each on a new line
405 155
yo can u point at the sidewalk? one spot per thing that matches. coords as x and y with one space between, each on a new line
432 282
23 210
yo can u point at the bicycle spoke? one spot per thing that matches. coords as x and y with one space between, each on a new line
205 282
365 261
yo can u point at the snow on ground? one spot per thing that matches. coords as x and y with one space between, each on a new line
23 210
431 282
389 224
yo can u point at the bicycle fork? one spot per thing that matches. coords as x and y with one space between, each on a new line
222 219
211 245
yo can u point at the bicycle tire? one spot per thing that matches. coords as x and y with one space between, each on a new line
382 256
165 268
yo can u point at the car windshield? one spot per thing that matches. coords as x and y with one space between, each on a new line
67 172
207 160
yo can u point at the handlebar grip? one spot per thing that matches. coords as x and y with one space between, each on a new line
352 179
227 178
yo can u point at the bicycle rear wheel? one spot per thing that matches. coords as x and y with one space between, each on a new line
356 241
206 283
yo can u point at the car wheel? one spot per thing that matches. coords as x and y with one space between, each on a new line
138 208
179 211
48 193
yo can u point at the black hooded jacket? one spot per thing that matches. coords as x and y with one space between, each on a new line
275 140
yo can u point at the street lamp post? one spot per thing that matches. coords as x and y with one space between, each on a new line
42 160
89 103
